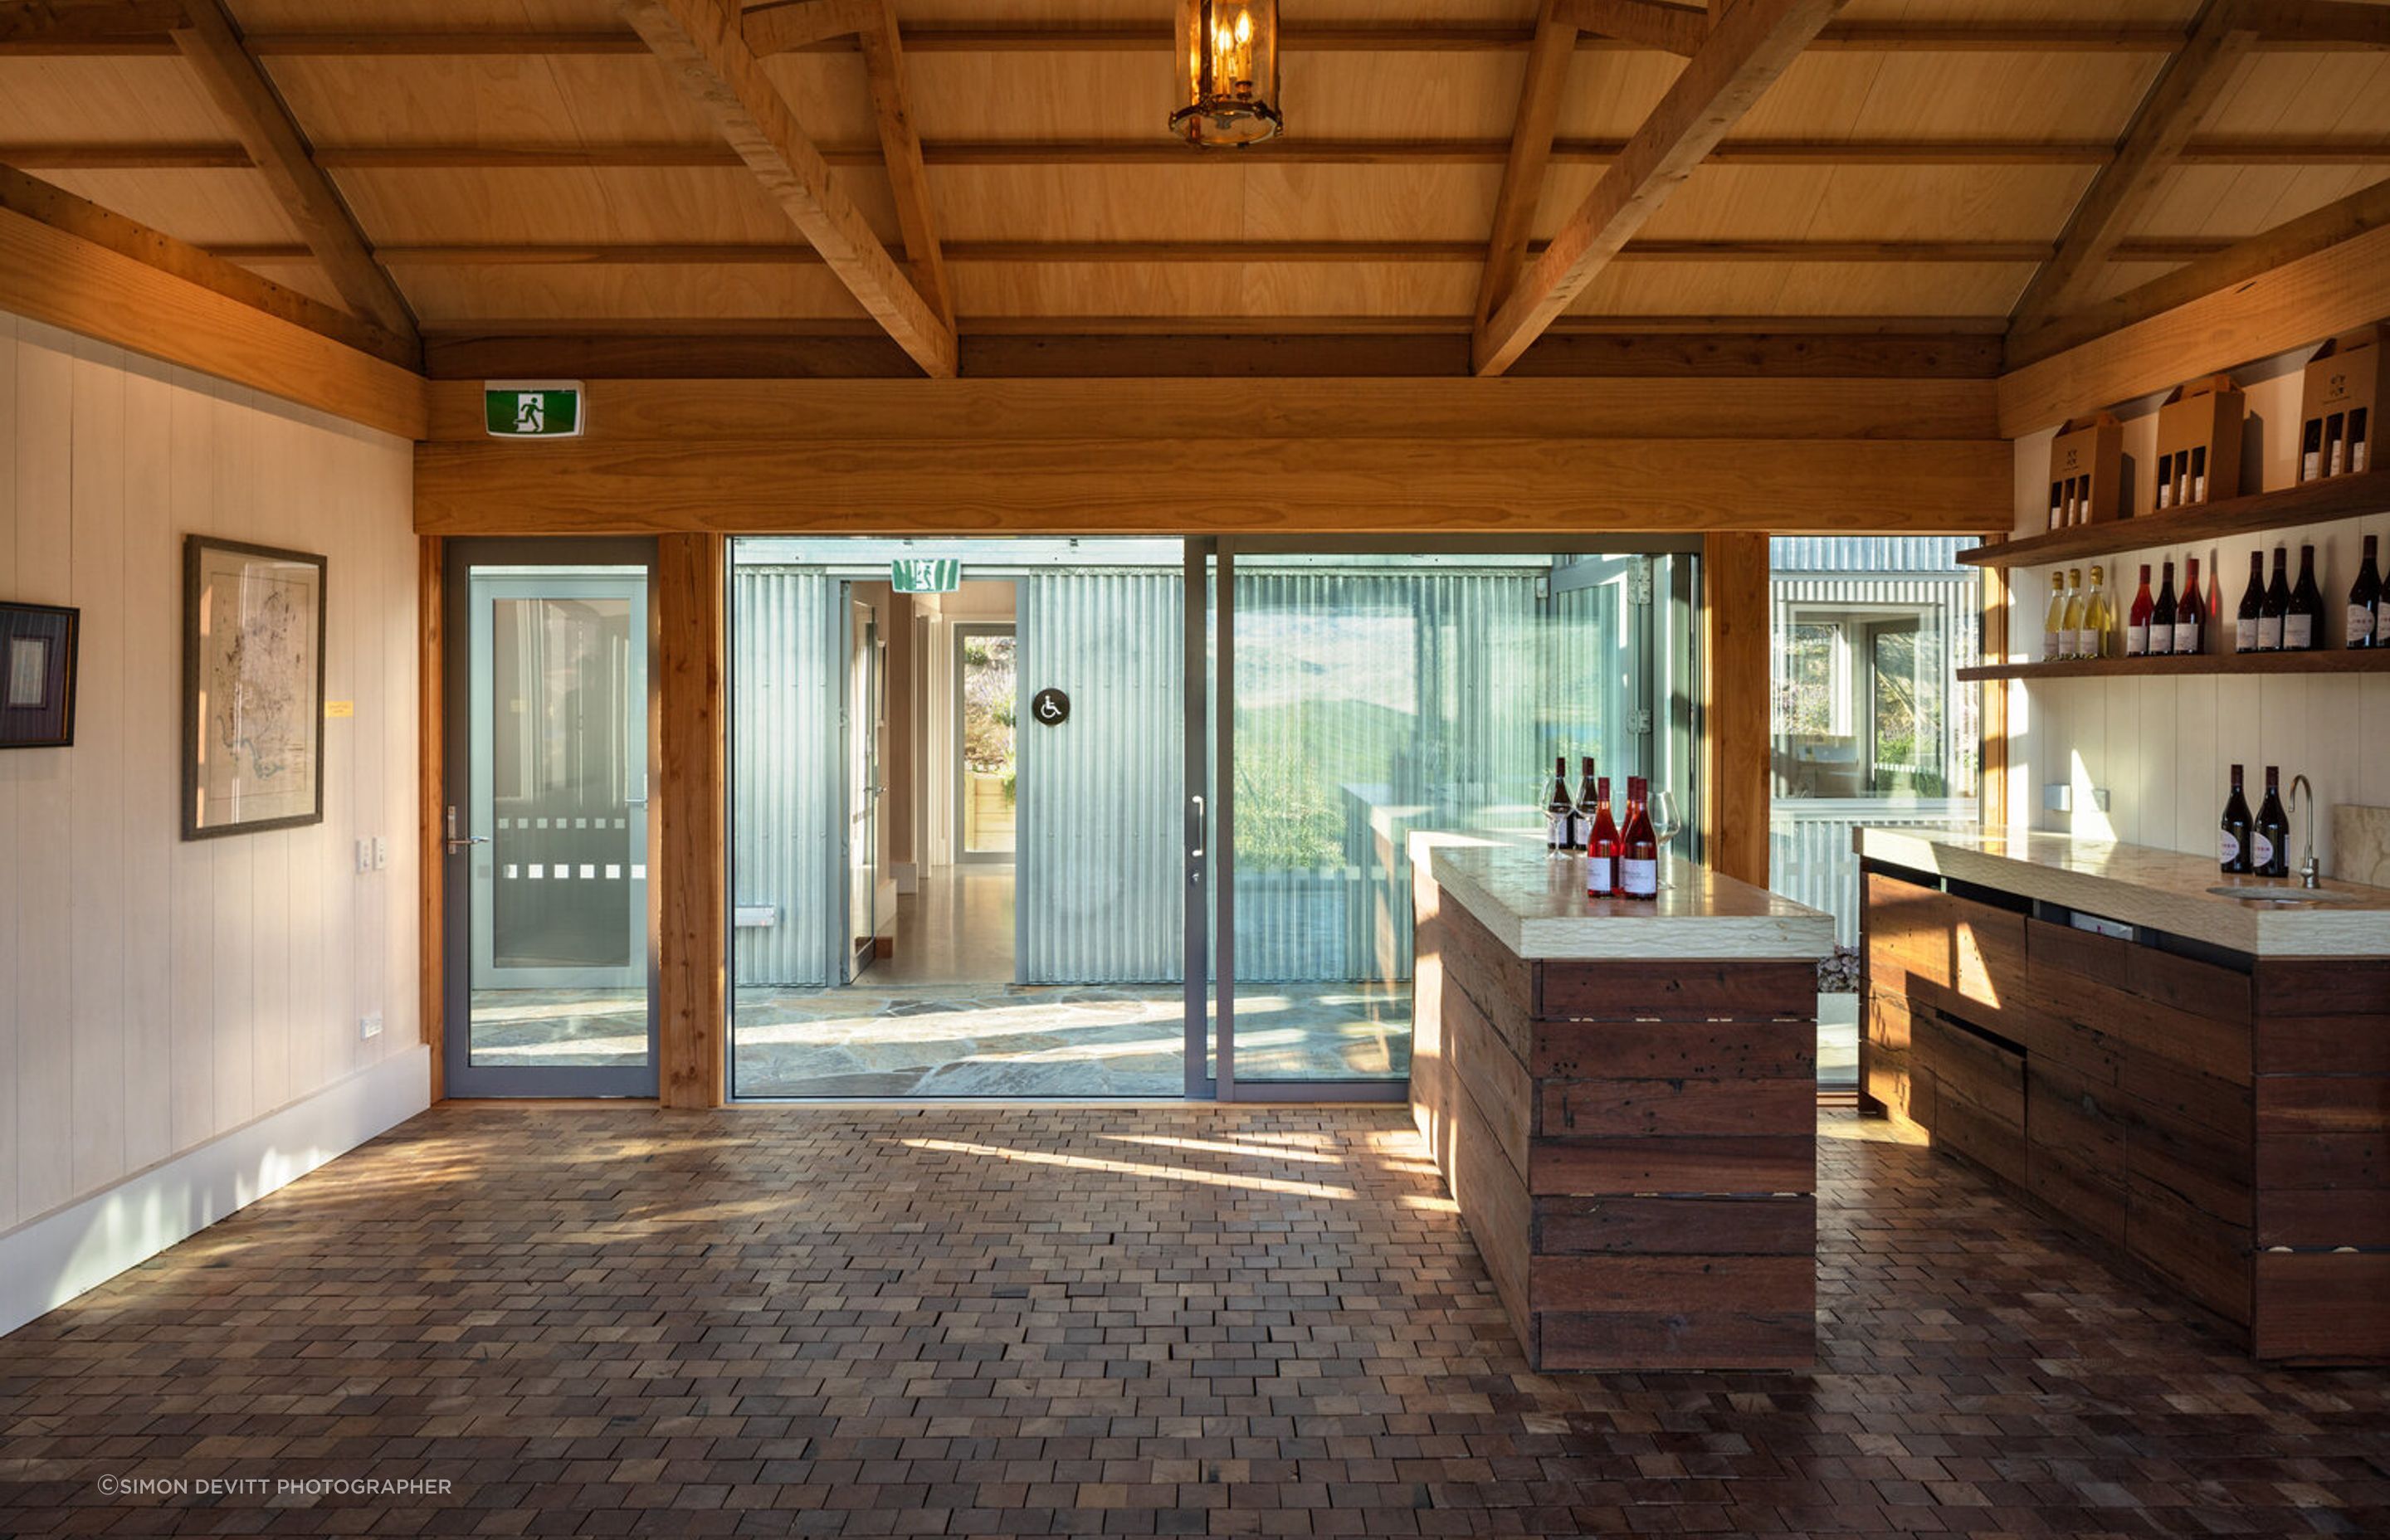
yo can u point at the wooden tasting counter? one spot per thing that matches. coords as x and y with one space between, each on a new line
2207 1095
1623 1098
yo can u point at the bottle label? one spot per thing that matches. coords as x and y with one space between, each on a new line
2298 633
1640 878
2245 635
1599 877
2310 466
2264 848
2086 643
2137 641
2050 646
2199 488
2228 850
1556 834
2357 456
2186 638
2360 624
2269 632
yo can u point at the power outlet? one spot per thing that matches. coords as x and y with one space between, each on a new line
369 1026
365 855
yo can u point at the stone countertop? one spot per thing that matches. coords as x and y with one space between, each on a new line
2158 889
1535 904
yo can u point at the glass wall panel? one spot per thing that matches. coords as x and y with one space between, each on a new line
1377 697
1871 725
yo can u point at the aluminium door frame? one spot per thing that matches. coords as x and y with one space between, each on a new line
462 1079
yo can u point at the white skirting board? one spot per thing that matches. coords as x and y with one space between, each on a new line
50 1261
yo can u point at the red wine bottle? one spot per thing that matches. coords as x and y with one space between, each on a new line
2253 606
1601 846
1639 862
2137 621
1581 826
2190 617
2303 618
2162 617
1558 809
2276 605
2365 601
2271 836
2233 849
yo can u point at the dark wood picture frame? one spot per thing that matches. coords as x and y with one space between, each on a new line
198 821
46 721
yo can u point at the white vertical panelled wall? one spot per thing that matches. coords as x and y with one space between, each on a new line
158 996
2162 748
1100 871
787 777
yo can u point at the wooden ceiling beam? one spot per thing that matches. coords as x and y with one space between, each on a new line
2323 23
1527 157
2178 99
234 81
789 25
1661 24
1753 43
698 39
78 26
899 149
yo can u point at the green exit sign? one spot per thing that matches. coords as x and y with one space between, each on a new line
926 574
533 408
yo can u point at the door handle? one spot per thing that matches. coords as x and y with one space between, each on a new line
1194 877
462 841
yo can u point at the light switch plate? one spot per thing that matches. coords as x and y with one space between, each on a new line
369 1026
381 853
365 855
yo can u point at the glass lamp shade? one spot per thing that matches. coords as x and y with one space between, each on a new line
1228 72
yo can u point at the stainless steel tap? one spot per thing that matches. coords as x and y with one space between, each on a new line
2311 870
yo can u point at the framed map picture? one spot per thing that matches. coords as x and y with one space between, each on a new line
37 675
252 687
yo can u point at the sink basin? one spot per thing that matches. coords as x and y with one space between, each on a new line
2265 893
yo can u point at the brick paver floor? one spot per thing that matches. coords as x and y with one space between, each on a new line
803 1321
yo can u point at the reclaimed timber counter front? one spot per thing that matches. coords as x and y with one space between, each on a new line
1623 1098
2200 1087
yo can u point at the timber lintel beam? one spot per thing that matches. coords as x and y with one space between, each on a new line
1751 43
700 41
238 86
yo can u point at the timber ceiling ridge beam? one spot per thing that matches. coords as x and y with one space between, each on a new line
1752 42
212 45
787 25
699 42
1661 24
2152 144
2289 306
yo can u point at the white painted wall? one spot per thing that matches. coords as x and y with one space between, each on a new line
156 995
2163 747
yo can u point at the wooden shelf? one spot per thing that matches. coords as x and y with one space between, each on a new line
2335 660
2338 497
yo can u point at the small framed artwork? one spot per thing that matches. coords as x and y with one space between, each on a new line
37 675
252 687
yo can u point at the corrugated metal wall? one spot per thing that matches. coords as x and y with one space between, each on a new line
1100 872
1868 554
787 778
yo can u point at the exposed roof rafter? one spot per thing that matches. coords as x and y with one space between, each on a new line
1661 24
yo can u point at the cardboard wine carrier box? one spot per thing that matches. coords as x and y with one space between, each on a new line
2199 443
2087 471
2339 421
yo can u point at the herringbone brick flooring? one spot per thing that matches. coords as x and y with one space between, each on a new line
1164 1321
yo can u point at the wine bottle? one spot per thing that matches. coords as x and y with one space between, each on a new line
2271 836
1639 862
2099 617
2136 623
2161 619
2311 451
2302 622
2190 617
2166 482
2277 605
1557 808
1581 825
2336 446
2253 605
2233 847
2197 485
2054 642
2069 629
2359 443
1602 847
2364 599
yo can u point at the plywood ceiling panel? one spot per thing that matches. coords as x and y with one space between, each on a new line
105 101
206 208
680 205
425 14
443 295
1954 95
1749 203
1803 289
1195 201
2229 202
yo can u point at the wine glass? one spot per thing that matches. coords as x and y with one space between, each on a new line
1666 821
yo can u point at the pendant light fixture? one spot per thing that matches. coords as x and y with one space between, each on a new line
1227 68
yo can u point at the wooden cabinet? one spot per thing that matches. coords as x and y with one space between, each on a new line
2224 1122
